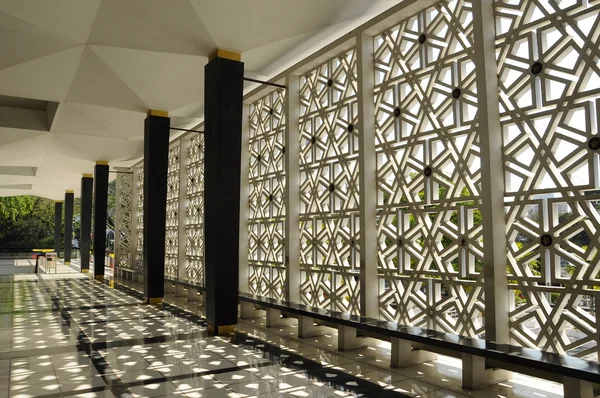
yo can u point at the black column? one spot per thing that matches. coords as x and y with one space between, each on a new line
87 189
223 91
100 205
69 196
57 226
156 160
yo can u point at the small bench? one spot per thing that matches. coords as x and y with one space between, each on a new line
484 362
181 288
129 274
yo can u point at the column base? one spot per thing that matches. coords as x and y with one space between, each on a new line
154 300
221 330
99 278
67 263
85 271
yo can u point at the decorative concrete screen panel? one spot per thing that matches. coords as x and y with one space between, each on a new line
194 228
549 81
428 172
140 220
123 213
329 196
267 274
172 215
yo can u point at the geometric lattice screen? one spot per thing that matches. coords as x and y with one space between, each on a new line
140 220
267 184
428 177
123 219
549 80
428 172
194 227
329 222
172 216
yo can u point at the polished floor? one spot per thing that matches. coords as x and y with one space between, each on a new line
67 336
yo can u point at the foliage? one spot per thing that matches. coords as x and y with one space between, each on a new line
26 221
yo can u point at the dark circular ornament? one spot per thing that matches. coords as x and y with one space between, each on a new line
546 240
594 143
397 112
329 83
313 139
331 187
537 68
400 242
422 38
350 127
283 150
270 197
427 171
258 158
463 242
456 93
270 111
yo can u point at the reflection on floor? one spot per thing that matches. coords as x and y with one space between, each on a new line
65 335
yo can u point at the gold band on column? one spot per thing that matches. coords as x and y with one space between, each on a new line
154 112
221 330
226 55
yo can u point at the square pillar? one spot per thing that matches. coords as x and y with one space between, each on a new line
100 207
87 191
57 226
222 168
156 163
69 197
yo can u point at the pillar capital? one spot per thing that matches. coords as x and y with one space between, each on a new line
87 176
155 112
69 191
102 162
226 54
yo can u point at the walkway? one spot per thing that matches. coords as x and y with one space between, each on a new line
65 335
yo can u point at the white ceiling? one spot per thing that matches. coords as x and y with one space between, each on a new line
107 62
